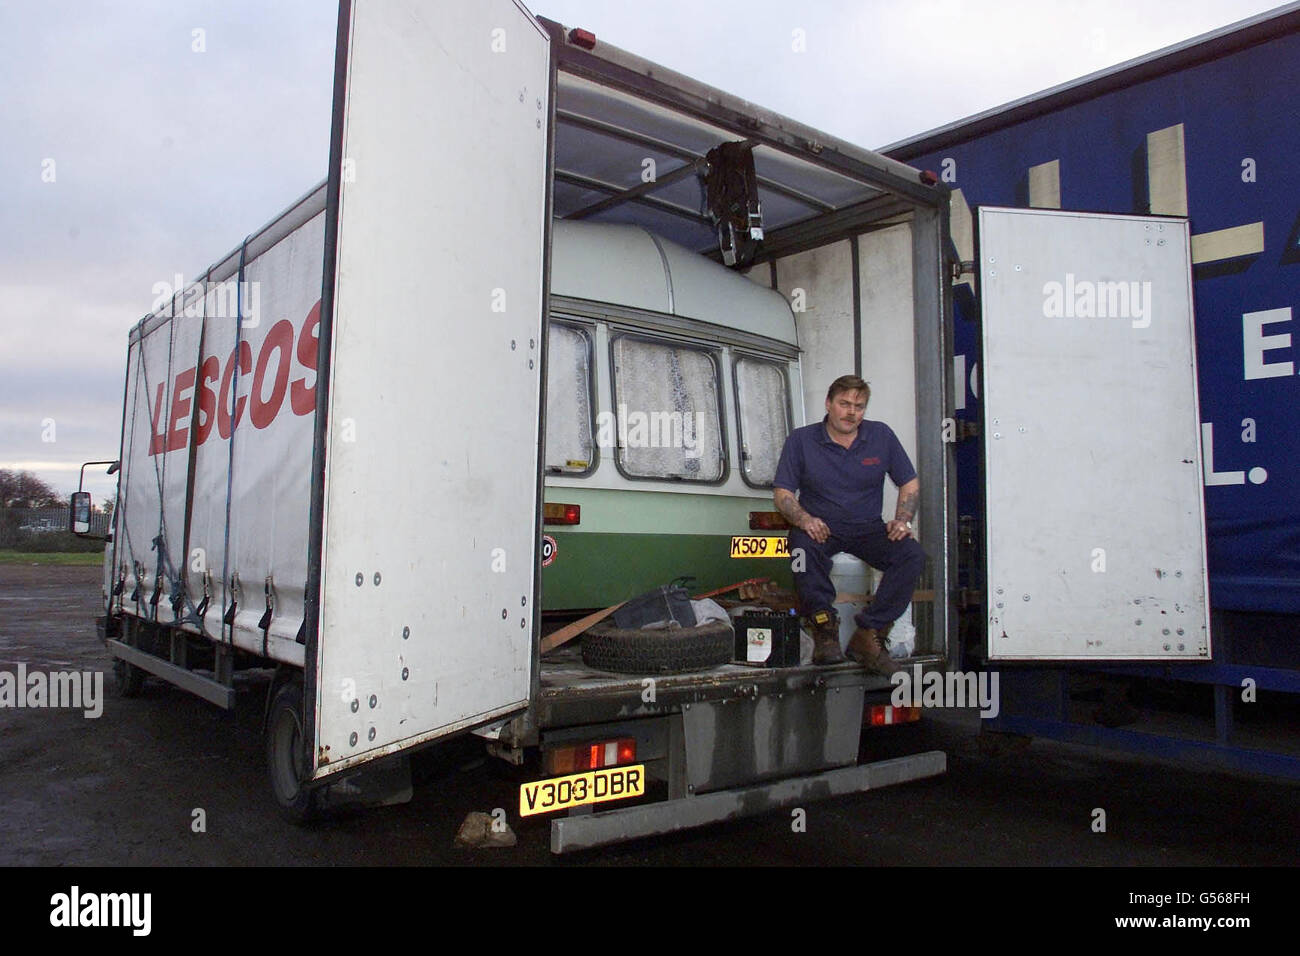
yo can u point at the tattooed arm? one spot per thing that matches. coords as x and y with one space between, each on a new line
788 505
908 496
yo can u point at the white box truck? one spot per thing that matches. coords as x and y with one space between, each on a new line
332 461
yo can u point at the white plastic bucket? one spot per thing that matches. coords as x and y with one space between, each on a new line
849 575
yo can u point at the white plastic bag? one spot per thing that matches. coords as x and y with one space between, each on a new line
707 609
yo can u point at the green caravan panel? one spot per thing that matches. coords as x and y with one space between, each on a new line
597 570
632 541
638 511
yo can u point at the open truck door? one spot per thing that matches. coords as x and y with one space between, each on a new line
1095 530
424 526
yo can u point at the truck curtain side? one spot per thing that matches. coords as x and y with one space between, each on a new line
214 487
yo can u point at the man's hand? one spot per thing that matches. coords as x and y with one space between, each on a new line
815 528
788 505
901 526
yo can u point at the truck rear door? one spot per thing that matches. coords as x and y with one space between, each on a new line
1095 528
425 504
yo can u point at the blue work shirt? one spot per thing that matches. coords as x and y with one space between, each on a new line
843 486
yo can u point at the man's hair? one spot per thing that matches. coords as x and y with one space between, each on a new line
848 383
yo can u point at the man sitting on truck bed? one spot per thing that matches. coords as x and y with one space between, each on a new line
838 468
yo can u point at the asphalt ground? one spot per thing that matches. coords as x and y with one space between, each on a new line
127 788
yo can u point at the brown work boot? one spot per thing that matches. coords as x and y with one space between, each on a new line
869 646
826 639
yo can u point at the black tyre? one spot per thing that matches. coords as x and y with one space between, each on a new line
669 651
286 760
128 678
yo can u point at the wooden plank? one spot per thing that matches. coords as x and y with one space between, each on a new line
570 631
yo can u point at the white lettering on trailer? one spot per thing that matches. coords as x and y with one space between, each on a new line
1254 343
1257 475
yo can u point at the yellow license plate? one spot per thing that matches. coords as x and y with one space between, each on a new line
594 786
759 547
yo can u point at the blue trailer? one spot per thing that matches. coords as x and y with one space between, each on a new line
1206 129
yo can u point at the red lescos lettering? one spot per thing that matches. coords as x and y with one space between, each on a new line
215 388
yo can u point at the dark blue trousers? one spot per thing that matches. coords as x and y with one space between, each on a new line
901 561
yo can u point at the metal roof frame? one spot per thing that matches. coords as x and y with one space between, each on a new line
568 118
890 188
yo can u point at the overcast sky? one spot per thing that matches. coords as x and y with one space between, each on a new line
164 158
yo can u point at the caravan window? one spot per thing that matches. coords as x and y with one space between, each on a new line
763 412
570 441
667 404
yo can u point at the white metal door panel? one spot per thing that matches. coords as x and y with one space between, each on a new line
888 313
1094 520
823 320
430 514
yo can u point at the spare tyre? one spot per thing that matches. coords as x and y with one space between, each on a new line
658 650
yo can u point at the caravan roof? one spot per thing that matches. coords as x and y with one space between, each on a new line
631 267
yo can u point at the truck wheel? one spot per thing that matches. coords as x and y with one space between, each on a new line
285 759
668 651
128 678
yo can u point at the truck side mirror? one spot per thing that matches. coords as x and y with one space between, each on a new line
79 513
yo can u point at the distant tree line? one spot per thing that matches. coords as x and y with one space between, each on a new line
22 489
33 516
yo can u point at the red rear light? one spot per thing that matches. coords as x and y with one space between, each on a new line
576 758
882 715
583 38
561 514
768 521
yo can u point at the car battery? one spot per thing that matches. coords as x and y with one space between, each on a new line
767 639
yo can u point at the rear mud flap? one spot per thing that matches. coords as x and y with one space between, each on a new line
384 783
